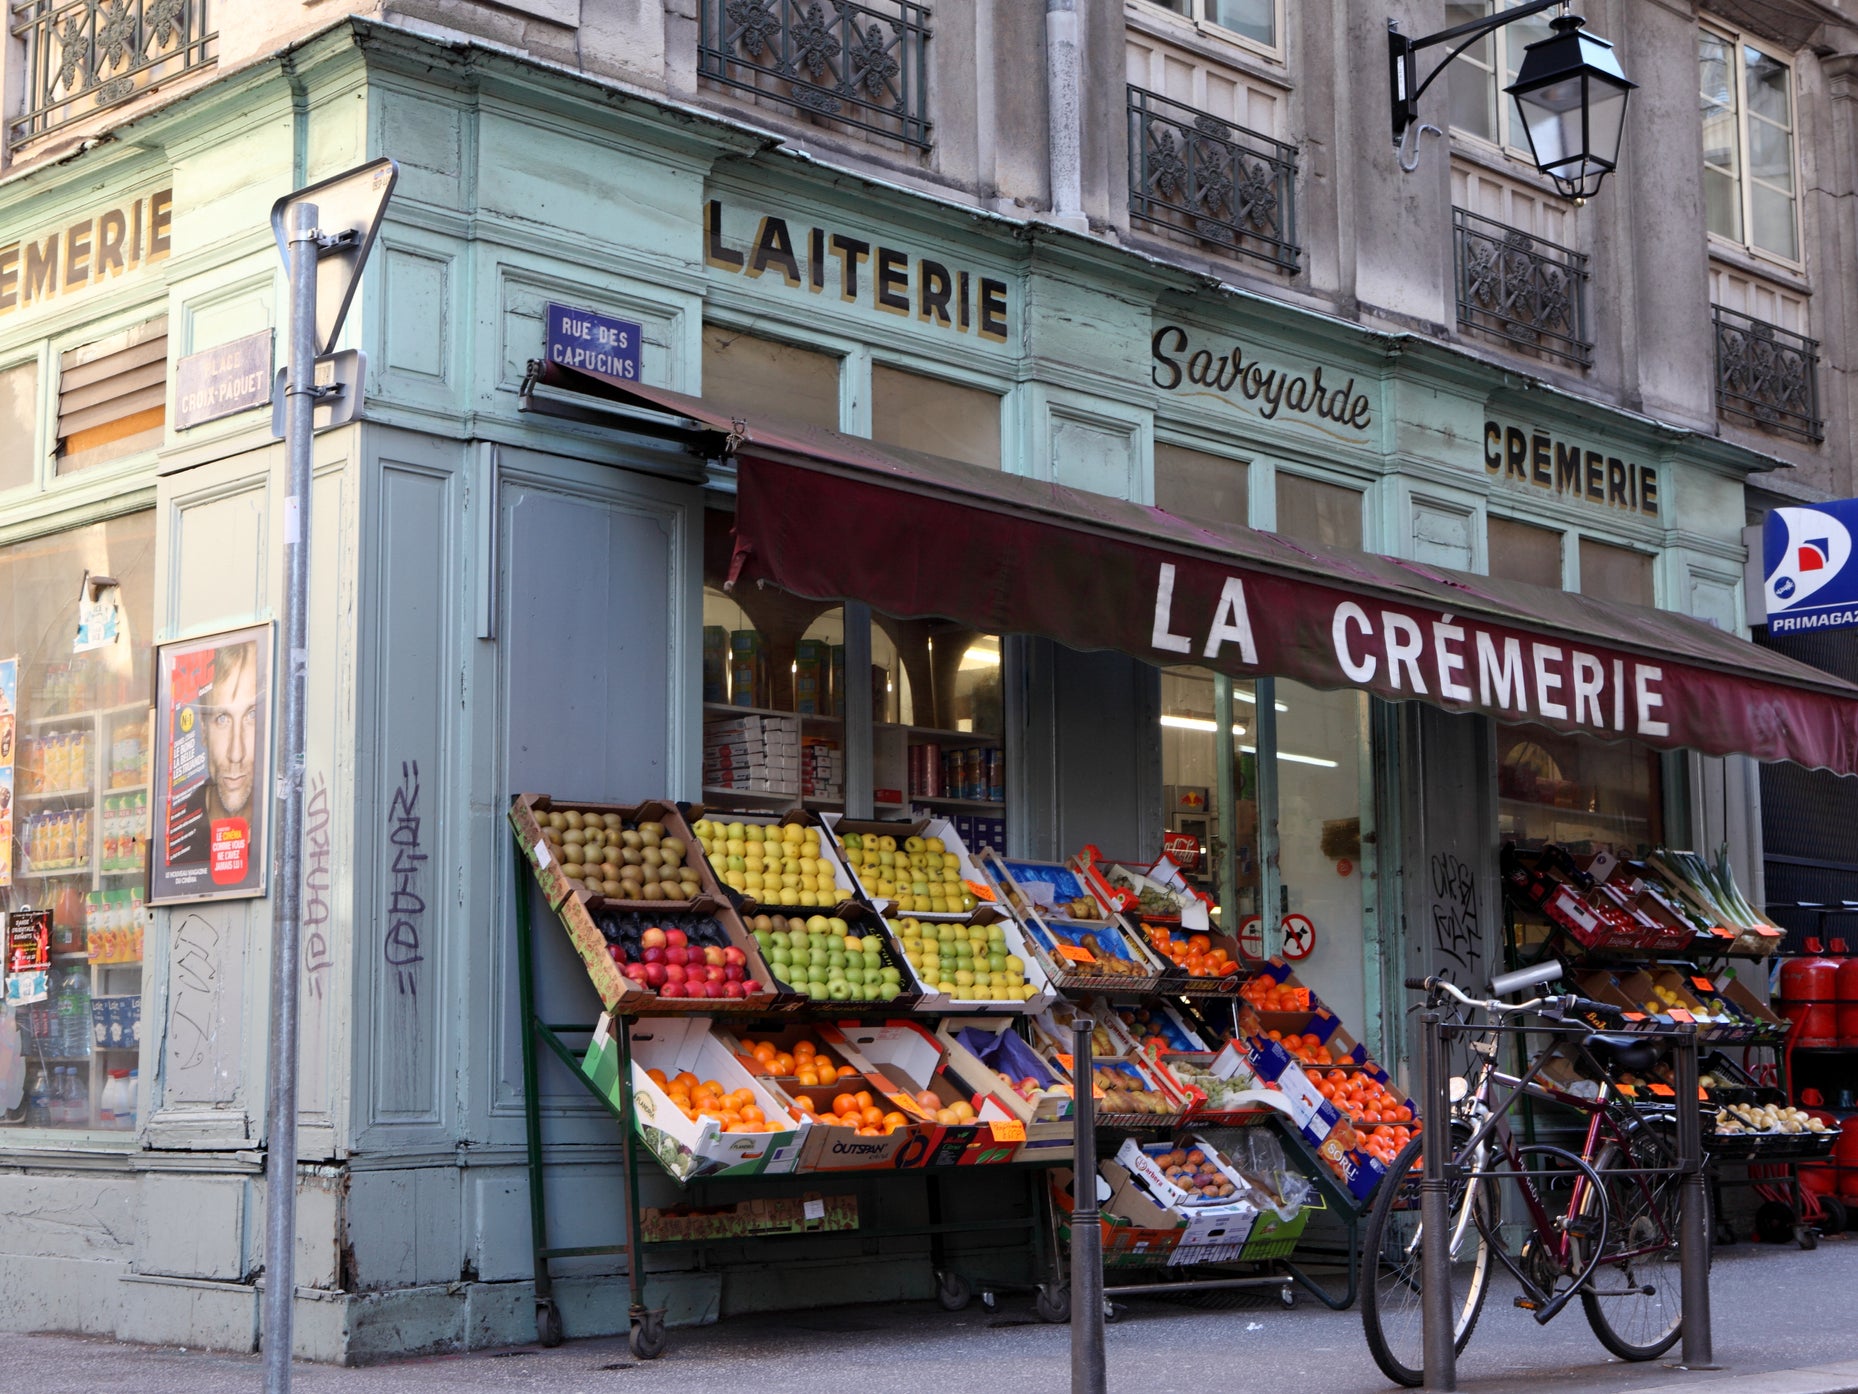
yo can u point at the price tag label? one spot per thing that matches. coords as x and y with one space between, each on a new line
1663 1091
1012 1131
813 1209
1628 1090
1703 984
1069 1063
1633 1016
1679 1014
542 859
1075 954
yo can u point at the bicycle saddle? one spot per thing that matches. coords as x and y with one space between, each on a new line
1622 1052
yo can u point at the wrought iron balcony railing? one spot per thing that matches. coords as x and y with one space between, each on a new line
1767 375
82 56
1522 289
1194 173
864 65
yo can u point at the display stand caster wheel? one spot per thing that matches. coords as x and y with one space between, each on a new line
953 1291
989 1301
1110 1311
548 1322
1775 1223
647 1339
1054 1302
1833 1216
1808 1237
1288 1296
1725 1234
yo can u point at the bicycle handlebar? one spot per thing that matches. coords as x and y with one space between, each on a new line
1561 1005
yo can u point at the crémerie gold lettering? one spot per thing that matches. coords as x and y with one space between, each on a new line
1271 390
82 252
931 290
1536 458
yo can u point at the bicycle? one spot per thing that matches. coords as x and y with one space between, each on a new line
1602 1223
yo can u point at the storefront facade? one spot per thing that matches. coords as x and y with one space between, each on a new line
508 601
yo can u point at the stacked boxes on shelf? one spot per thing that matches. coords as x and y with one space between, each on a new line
822 769
754 752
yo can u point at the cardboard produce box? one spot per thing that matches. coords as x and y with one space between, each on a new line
914 895
1044 1108
911 1060
686 1147
811 1213
837 889
1136 1232
934 999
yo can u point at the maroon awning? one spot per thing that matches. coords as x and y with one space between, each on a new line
834 517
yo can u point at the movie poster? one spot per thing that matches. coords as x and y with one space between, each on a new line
9 733
212 767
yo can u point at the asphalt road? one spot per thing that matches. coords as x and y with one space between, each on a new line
1775 1309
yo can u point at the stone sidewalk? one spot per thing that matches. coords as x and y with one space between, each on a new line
1784 1324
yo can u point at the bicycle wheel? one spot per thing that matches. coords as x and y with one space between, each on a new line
1393 1282
1634 1298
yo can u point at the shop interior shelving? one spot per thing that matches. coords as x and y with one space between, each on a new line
38 885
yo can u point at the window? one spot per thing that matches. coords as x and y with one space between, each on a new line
1616 573
1193 484
750 377
1256 20
19 416
1748 145
113 397
943 418
74 815
1313 511
1524 552
1582 793
1475 83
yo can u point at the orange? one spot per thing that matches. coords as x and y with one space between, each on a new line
844 1104
751 1114
864 1098
805 1050
764 1051
686 1078
828 1074
871 1117
807 1078
895 1120
658 1078
805 1101
782 1064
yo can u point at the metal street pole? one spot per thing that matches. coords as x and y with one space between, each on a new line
1693 1230
286 895
1087 1375
1435 1247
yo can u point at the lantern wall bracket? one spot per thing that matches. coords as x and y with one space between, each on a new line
1403 62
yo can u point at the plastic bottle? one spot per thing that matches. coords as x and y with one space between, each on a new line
125 1113
116 1106
39 1099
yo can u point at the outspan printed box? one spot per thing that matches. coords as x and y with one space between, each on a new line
910 1059
688 1147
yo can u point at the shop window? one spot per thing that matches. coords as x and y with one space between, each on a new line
1582 793
1193 484
74 813
1524 552
1312 511
1749 185
748 376
112 397
1197 826
934 415
1616 573
775 688
1478 76
1320 755
19 416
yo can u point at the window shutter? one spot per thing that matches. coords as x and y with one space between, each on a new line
113 397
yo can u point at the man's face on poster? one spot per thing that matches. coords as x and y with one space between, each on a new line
232 728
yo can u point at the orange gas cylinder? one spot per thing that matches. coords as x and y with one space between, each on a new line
1845 1153
1845 982
1810 995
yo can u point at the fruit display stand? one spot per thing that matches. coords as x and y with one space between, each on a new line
1658 939
815 1044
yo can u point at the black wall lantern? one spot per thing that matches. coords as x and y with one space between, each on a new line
1569 91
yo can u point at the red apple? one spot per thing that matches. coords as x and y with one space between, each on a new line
733 955
636 972
677 953
653 938
734 989
654 973
652 954
614 952
714 957
674 972
675 938
734 973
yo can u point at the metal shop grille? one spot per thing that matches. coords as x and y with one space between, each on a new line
1223 184
866 66
1522 289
